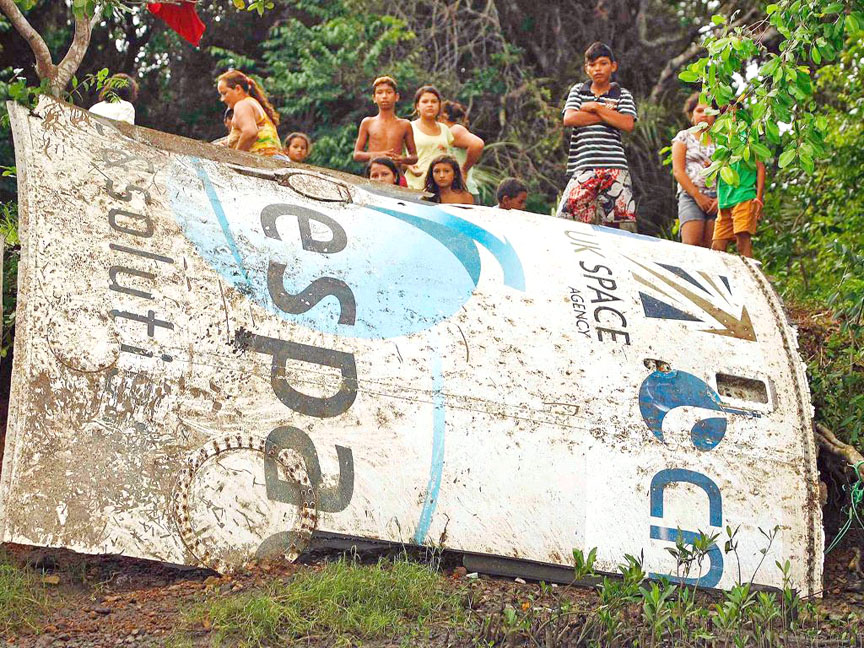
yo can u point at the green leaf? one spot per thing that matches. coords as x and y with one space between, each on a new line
761 151
771 8
770 67
688 76
786 158
729 176
833 8
717 19
758 110
815 56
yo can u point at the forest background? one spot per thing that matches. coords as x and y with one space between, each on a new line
511 62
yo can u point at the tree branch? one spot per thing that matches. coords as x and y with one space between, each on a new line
72 61
676 63
44 64
672 66
642 29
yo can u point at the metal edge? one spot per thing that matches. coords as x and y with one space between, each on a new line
19 117
797 367
181 145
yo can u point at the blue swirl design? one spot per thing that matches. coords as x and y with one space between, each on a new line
409 266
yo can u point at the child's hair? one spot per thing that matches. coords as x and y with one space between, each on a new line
234 78
510 188
385 80
302 136
596 50
691 102
455 112
228 114
121 86
423 90
390 164
432 186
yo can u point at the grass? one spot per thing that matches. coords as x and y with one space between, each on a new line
410 604
22 601
345 601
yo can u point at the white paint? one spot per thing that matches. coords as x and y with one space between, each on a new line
62 512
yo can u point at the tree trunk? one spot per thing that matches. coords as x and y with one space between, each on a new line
58 76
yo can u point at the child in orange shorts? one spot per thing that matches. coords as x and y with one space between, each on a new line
739 208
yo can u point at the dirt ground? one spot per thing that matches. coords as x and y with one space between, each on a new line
101 601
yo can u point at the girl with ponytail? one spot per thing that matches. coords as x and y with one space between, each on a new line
253 127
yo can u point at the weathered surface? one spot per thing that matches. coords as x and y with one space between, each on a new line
212 361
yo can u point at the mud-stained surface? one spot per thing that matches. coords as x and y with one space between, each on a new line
441 375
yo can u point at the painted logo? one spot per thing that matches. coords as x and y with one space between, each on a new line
663 391
408 267
678 295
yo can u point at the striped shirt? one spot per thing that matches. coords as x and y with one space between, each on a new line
598 146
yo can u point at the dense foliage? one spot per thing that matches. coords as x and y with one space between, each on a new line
813 243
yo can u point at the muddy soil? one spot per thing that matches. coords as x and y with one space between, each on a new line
103 601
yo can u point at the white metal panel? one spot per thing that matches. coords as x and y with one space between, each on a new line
213 360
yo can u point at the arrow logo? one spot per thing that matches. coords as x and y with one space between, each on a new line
740 327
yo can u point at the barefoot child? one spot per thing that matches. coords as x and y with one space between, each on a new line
297 147
385 134
444 181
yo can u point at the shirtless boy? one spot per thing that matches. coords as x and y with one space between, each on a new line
385 134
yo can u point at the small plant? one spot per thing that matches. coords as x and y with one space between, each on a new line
584 565
728 615
687 554
790 603
656 607
770 536
764 613
731 546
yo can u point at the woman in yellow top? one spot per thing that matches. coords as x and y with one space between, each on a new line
431 137
253 127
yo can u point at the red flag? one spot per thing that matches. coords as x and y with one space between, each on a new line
182 18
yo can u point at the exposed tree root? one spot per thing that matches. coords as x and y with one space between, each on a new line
830 443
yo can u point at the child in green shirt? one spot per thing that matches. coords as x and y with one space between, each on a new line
740 208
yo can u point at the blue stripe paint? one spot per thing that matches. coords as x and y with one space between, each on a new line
433 487
220 216
680 475
501 249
